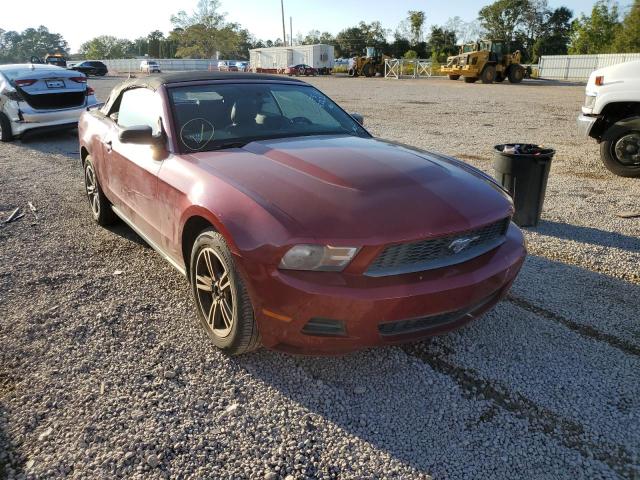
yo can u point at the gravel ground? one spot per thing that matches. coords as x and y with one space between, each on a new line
104 371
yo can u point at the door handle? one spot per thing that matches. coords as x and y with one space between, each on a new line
108 145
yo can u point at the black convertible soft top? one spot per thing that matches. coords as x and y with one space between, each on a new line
156 81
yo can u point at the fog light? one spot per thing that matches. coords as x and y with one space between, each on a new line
325 327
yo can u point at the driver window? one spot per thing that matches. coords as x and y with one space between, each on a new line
140 106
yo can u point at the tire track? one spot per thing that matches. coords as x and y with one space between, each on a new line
567 432
582 330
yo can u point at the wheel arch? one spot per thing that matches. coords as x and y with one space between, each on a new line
629 123
84 153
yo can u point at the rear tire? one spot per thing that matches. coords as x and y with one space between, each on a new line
6 135
100 206
516 74
470 79
223 304
454 77
488 75
610 153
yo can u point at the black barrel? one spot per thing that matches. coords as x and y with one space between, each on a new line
523 170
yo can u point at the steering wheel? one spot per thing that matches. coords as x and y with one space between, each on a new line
301 121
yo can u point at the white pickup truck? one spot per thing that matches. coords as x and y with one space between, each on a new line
611 115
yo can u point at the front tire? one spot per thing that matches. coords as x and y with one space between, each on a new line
454 77
222 301
516 74
6 135
621 154
100 205
488 75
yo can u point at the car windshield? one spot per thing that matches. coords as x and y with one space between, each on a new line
214 116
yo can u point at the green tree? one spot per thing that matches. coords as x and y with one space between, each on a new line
627 39
416 22
555 38
353 40
596 33
205 32
106 47
442 42
20 47
503 18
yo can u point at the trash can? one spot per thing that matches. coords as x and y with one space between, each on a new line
523 170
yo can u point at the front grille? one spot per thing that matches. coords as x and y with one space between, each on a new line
52 101
438 252
424 324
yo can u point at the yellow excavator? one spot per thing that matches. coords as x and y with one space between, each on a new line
369 64
487 60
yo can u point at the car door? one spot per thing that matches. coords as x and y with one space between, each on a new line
132 169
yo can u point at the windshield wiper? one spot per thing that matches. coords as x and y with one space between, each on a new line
230 144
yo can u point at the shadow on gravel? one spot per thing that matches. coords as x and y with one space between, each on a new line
6 448
123 230
63 142
434 411
590 235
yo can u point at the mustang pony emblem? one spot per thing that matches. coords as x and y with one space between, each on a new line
460 244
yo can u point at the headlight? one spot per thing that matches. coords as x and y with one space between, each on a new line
590 101
317 257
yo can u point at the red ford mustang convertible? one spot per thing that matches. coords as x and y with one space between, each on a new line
296 228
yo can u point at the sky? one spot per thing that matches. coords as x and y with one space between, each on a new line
134 18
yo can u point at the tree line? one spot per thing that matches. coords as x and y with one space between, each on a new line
528 25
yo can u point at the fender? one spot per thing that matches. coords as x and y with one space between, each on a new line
621 126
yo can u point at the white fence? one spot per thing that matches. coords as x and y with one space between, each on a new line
125 65
579 67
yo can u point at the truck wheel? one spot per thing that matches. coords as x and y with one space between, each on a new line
470 79
488 75
621 154
454 77
368 70
6 135
516 74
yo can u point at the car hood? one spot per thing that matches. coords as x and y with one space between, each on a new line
360 190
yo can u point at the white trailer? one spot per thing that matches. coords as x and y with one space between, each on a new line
276 59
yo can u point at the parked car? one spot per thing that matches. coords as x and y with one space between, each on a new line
611 115
301 69
91 67
242 66
227 66
149 66
37 97
296 228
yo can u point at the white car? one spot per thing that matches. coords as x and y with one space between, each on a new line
39 97
149 66
611 115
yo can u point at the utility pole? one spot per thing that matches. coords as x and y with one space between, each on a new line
291 30
284 32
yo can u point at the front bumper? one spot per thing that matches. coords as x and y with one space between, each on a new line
424 303
23 117
585 124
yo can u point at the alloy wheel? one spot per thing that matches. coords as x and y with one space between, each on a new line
215 295
92 189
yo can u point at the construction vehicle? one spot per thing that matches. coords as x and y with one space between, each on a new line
368 65
57 59
487 60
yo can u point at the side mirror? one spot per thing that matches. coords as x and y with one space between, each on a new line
358 118
139 134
